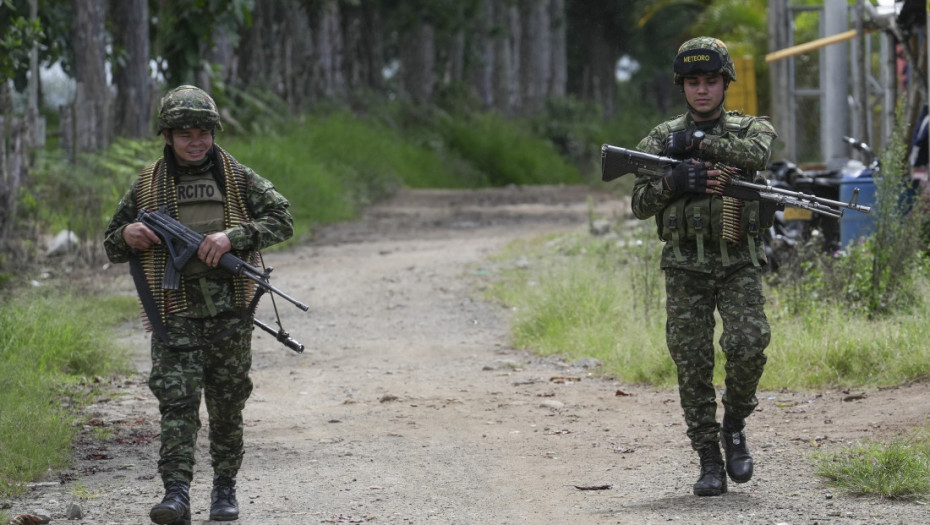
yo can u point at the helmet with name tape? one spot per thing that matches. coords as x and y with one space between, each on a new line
701 56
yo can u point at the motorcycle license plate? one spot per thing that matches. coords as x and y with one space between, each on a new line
798 214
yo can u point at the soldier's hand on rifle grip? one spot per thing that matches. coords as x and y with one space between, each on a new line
139 236
680 143
689 176
213 247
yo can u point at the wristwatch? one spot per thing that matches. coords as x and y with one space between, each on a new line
697 137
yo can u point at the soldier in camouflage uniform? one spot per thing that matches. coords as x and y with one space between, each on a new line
712 257
203 342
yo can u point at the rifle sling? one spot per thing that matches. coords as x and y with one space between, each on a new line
146 298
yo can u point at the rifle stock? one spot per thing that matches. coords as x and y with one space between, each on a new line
617 162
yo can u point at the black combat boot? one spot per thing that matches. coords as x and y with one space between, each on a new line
739 462
713 482
175 508
223 504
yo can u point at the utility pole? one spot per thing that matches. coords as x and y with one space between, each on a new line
780 79
834 77
861 87
35 128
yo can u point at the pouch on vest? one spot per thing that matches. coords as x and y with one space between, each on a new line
751 225
698 222
671 226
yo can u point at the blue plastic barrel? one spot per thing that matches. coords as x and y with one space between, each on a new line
855 225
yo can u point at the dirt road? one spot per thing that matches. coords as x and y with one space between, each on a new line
409 405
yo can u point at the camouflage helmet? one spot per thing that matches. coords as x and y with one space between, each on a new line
186 107
703 55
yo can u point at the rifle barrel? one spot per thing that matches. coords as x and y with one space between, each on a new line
250 272
768 188
281 336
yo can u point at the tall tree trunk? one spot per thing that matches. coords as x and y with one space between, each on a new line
133 82
91 126
418 62
598 79
506 57
482 71
535 54
597 37
559 62
328 77
9 178
221 55
294 45
455 65
255 47
364 46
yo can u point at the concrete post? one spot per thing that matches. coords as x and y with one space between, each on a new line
834 77
780 81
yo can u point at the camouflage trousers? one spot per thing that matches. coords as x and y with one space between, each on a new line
207 358
691 298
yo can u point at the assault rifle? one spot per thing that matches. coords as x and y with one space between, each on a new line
182 243
616 162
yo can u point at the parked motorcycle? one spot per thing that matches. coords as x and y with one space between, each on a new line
796 227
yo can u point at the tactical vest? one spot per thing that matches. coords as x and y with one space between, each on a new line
712 219
156 189
201 208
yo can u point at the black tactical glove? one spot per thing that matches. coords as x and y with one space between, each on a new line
681 142
689 176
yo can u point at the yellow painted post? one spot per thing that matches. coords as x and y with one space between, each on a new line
741 95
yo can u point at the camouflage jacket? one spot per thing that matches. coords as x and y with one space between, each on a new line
267 221
737 140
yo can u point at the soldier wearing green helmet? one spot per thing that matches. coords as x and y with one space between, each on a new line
188 107
712 258
202 346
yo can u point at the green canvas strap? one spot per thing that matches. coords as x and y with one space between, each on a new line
674 225
698 223
211 306
751 232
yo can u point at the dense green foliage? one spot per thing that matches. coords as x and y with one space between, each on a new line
17 36
52 342
331 166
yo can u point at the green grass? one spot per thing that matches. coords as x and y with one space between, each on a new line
578 297
899 469
572 301
50 341
832 348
